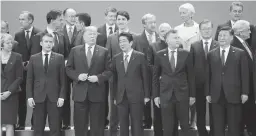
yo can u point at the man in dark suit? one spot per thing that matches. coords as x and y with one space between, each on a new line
24 37
105 31
199 51
143 43
88 67
130 86
46 87
242 33
82 20
157 46
54 21
227 84
173 84
113 47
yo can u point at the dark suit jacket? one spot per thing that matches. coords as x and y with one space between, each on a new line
181 82
77 64
58 47
12 75
199 58
103 40
41 84
134 81
234 76
68 44
22 47
159 45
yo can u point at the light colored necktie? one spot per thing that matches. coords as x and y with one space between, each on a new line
89 56
70 34
247 49
206 49
28 39
150 38
172 61
126 62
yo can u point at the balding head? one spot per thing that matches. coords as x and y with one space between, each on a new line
163 29
69 16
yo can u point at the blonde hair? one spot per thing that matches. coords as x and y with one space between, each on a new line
4 38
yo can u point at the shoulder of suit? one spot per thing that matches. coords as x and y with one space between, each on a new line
57 54
35 55
19 32
36 30
77 47
101 48
17 54
100 28
162 51
118 54
237 49
196 43
183 50
138 53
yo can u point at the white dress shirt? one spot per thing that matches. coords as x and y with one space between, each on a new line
108 30
49 56
86 48
226 53
30 31
209 43
68 27
129 55
232 23
153 36
175 55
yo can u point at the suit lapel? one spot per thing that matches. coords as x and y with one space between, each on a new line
166 59
230 56
10 63
74 35
213 45
83 56
120 61
39 60
51 61
143 35
201 48
181 58
133 56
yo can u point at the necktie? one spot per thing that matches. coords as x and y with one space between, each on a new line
205 48
70 34
111 30
223 57
150 38
89 56
126 62
27 38
56 41
247 49
172 61
46 63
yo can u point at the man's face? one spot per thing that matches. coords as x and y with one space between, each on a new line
4 28
124 43
173 40
90 36
24 21
121 22
163 30
150 24
224 38
70 17
206 30
185 14
245 32
236 13
79 25
47 43
111 18
58 22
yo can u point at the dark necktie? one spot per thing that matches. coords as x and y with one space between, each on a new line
126 62
56 41
46 63
27 38
223 57
111 31
70 34
89 56
206 49
172 61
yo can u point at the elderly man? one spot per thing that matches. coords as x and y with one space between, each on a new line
88 67
4 27
242 33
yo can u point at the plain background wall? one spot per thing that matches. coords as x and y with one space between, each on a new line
165 11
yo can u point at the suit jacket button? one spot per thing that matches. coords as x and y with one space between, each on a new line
222 73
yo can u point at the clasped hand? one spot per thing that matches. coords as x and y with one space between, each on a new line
84 77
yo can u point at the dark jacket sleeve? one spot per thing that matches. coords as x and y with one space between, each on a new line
208 76
70 67
14 87
156 76
244 73
62 78
30 79
115 78
106 74
191 75
145 77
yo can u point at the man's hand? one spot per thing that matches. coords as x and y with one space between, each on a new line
157 101
5 95
83 77
192 100
60 102
209 99
93 79
244 98
146 100
31 102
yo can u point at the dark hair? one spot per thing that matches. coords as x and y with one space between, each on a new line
30 15
44 35
236 3
172 31
227 28
127 35
110 9
205 21
53 15
123 13
85 18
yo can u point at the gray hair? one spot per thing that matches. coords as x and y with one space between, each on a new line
240 24
189 7
164 25
146 17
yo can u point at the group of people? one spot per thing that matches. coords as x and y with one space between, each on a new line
177 72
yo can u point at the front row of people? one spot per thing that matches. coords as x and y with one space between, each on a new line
89 66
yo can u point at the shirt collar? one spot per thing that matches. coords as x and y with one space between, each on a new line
147 33
226 49
129 53
49 30
68 26
208 40
169 50
49 53
30 29
232 23
113 27
87 45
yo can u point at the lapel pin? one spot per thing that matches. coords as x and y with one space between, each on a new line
233 51
164 54
11 63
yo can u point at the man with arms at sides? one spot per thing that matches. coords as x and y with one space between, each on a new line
173 84
88 67
24 37
227 84
123 19
143 43
70 32
130 86
54 23
242 33
83 20
199 51
46 87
